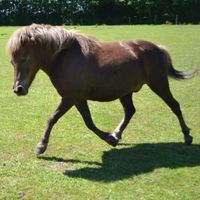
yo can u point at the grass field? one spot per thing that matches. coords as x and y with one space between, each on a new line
150 163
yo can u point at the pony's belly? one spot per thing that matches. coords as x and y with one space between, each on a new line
103 98
108 94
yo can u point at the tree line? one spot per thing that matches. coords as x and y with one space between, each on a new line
87 12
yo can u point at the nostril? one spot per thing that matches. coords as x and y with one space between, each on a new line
19 89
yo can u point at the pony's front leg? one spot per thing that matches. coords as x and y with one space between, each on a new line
85 113
63 107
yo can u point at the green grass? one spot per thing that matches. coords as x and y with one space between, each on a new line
151 162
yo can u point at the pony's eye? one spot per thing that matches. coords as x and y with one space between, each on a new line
23 60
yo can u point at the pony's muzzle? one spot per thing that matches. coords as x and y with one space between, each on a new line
20 90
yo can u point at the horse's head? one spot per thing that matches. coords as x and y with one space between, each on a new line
25 66
24 58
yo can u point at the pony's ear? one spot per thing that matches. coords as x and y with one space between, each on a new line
31 38
28 38
29 35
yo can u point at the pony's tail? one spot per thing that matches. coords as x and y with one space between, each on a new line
172 72
181 74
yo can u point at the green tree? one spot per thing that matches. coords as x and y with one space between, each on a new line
22 12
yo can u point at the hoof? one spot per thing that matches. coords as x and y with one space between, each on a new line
112 140
41 148
188 139
117 135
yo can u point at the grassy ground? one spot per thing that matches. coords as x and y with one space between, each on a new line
151 162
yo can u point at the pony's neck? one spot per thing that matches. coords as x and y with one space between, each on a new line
47 60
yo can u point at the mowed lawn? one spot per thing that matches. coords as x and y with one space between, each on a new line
150 163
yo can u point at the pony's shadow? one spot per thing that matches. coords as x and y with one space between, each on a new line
120 164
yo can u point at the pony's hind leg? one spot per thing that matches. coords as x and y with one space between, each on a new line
163 91
129 111
85 113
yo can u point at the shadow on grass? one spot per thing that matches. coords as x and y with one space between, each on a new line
120 164
73 161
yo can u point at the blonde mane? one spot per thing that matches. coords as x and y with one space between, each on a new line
49 37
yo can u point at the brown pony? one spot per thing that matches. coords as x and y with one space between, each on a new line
81 69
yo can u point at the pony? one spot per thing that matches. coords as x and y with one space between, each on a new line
81 68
